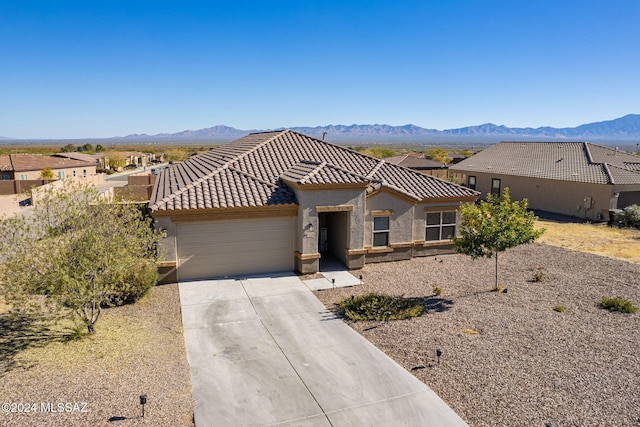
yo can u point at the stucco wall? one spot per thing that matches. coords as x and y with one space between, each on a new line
562 197
307 242
400 222
68 172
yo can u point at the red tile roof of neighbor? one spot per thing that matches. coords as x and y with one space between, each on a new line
35 162
254 170
564 161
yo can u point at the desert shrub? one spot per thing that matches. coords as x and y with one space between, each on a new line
374 306
559 308
618 304
135 283
437 291
538 276
629 217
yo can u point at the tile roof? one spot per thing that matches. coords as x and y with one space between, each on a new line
253 170
93 158
415 162
564 161
35 162
309 172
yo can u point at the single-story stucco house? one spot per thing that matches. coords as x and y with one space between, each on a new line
280 200
29 167
577 179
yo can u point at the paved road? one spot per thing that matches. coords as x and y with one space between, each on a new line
264 351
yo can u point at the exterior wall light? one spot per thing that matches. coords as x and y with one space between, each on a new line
310 227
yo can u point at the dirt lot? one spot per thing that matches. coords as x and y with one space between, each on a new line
619 243
508 358
138 349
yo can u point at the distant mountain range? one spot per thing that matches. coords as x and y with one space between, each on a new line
625 128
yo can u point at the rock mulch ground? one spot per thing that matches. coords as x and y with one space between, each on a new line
138 349
508 358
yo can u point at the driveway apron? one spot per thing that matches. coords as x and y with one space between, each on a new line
264 351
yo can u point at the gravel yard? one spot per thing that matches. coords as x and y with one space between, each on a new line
138 349
508 358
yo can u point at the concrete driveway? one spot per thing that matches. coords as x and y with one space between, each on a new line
264 351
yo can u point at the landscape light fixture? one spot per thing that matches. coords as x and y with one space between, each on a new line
333 283
361 279
143 401
438 354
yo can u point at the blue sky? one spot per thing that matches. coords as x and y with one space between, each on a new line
80 69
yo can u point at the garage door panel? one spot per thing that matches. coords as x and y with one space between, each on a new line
234 247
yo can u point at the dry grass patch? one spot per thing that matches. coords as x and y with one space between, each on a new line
138 349
618 243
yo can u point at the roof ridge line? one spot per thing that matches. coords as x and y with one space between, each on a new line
376 168
605 165
254 148
585 145
315 170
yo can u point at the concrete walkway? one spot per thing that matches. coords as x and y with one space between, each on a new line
264 351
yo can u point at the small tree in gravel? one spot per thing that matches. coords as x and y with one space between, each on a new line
495 225
77 253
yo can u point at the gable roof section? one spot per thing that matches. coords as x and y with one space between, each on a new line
564 161
258 165
309 172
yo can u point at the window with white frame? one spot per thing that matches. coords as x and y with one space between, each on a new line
440 226
23 177
60 174
381 231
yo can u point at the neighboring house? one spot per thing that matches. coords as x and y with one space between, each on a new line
277 201
136 158
420 163
29 167
571 178
98 159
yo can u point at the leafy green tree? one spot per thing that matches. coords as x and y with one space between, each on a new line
99 148
495 225
69 148
77 253
46 173
86 148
